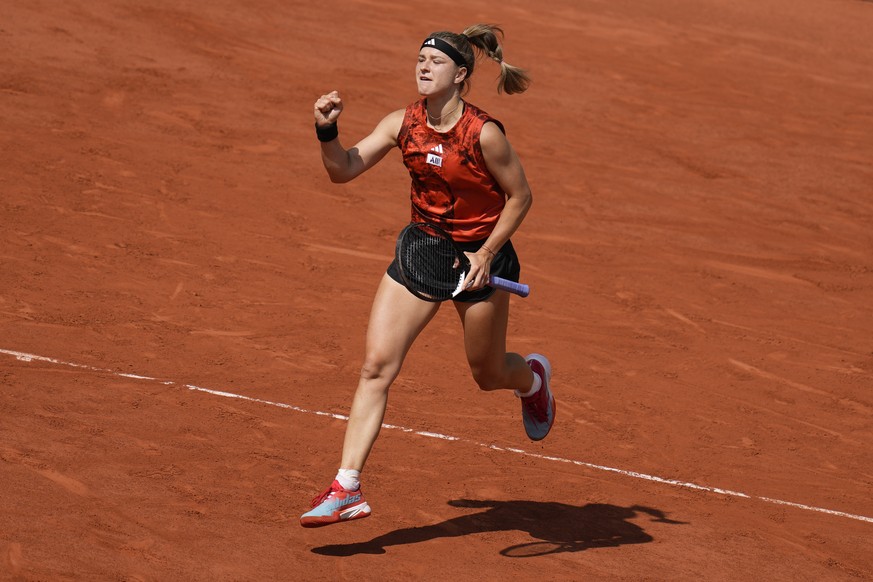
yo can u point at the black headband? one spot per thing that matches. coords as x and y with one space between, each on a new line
451 52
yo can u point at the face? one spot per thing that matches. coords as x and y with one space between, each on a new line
436 72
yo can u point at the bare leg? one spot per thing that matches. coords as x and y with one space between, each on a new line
485 326
396 319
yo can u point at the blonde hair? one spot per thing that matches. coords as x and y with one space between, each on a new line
485 38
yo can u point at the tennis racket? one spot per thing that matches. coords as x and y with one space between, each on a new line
433 267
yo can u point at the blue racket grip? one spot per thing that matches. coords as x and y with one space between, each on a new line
519 289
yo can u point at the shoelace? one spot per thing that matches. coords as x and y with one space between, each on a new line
322 496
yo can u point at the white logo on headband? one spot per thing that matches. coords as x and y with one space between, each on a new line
430 42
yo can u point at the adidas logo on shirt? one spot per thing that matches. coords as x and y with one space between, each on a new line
433 158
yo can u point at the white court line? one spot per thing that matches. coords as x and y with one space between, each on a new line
24 357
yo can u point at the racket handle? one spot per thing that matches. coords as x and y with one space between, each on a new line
519 289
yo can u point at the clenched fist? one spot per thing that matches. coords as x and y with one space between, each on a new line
328 108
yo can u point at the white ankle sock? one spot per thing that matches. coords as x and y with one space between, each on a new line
349 479
534 387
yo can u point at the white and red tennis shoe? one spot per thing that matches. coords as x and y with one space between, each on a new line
538 410
335 504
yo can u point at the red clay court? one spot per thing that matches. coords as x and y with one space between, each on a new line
184 295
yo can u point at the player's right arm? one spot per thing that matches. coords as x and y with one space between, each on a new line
341 164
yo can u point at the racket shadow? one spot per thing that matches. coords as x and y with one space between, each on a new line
557 527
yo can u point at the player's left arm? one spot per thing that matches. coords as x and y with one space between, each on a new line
503 163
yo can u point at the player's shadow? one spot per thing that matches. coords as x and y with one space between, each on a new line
558 527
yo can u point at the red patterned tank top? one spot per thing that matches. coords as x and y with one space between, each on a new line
451 186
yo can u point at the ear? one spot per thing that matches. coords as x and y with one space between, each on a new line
460 75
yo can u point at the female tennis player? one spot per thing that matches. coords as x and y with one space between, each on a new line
466 179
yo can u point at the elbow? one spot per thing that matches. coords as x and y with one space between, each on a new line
527 201
340 173
338 179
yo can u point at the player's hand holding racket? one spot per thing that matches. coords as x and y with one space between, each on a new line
434 268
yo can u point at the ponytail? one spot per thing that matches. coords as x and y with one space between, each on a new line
485 39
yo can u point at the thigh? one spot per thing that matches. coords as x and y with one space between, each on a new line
396 319
485 324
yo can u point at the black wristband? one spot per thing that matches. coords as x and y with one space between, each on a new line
327 133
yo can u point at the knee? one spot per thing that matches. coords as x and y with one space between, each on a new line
378 368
